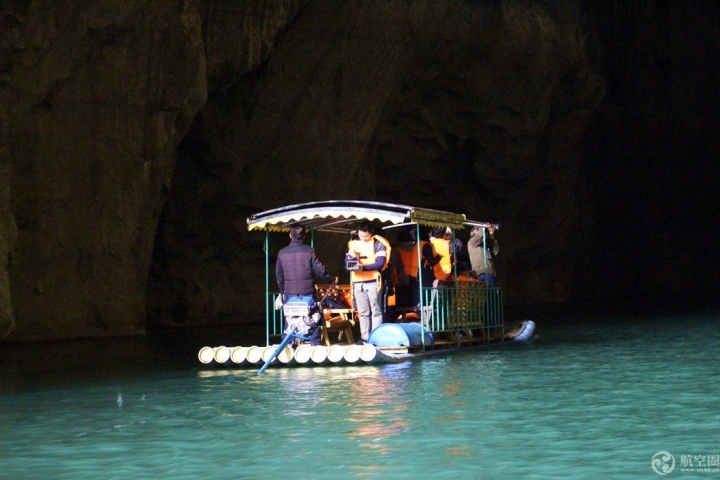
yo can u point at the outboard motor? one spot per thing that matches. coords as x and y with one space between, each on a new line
302 314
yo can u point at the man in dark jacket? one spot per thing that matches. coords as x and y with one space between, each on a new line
482 249
294 271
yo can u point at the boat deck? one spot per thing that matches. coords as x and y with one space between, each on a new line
307 355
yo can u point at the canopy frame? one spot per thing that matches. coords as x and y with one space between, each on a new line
343 216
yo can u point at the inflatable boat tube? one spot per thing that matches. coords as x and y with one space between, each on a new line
302 354
238 354
253 354
526 332
335 353
400 335
206 355
222 354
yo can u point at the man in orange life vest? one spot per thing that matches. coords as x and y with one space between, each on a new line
371 252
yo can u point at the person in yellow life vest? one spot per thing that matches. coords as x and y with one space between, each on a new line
449 249
443 269
371 252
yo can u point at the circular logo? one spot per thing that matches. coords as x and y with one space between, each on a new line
663 463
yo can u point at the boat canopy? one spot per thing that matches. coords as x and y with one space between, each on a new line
344 216
340 215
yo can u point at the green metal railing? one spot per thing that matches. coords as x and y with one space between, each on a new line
450 308
462 306
275 319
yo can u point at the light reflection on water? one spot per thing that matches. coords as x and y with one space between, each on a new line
586 398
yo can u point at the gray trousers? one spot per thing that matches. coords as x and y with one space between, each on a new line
368 306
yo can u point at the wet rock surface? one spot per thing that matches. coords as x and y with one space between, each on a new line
136 137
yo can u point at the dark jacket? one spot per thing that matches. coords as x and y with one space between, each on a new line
294 269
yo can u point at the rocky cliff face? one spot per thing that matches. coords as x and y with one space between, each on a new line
136 136
442 104
8 232
96 99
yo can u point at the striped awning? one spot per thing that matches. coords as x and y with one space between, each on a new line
343 215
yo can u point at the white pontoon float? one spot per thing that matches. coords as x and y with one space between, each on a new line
456 314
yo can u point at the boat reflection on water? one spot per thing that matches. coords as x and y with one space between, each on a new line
378 405
372 401
382 410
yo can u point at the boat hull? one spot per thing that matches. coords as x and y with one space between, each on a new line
391 345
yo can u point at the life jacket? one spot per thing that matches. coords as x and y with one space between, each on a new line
443 268
467 278
366 252
409 258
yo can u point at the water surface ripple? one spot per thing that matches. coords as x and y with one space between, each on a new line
590 396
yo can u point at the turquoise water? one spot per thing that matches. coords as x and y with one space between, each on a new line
593 395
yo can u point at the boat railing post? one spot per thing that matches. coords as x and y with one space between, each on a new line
501 311
266 248
455 302
484 244
423 316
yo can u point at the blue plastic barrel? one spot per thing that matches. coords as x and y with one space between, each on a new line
400 335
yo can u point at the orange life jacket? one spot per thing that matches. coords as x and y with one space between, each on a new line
366 251
466 278
409 259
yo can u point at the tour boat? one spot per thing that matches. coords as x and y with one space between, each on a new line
454 314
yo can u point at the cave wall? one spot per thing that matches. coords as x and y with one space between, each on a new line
650 154
96 99
8 230
136 137
474 108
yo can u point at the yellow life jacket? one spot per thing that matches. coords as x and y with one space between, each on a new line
443 268
366 252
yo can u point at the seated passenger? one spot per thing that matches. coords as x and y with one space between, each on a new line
408 288
465 273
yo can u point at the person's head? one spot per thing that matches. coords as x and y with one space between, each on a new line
297 231
438 232
365 231
404 236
